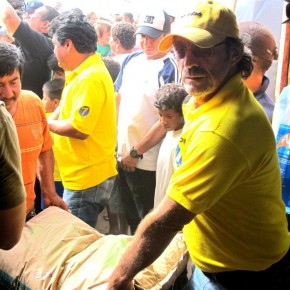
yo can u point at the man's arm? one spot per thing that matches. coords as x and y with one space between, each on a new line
64 128
152 138
9 17
152 237
55 114
12 193
45 175
12 222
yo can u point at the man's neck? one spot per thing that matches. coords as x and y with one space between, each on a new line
79 59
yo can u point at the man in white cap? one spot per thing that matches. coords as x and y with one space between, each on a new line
261 43
141 75
226 190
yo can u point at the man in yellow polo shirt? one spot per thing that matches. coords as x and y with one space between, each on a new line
226 192
85 122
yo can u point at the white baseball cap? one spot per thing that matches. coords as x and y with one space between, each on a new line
153 23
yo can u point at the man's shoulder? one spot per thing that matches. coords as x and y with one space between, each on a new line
165 62
30 108
131 56
30 97
24 34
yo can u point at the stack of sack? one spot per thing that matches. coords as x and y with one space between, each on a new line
59 251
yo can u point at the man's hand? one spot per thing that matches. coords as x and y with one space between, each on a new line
128 163
56 200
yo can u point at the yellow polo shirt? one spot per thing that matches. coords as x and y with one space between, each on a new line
88 103
229 177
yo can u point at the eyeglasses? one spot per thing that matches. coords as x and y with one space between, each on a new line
181 50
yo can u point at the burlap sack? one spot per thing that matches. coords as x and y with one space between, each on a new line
47 242
91 269
59 251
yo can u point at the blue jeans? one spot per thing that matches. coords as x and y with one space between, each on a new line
88 203
276 277
199 281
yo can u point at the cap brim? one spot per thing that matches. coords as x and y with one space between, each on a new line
149 31
200 37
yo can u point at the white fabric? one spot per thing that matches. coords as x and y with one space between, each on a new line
165 164
120 57
137 113
154 19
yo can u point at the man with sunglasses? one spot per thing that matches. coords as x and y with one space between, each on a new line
226 192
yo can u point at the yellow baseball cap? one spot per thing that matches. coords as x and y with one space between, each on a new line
206 24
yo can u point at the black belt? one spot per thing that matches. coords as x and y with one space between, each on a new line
275 277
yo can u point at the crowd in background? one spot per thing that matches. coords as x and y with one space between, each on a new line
103 108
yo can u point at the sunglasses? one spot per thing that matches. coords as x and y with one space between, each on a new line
181 50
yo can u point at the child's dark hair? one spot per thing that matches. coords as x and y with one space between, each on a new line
170 96
112 66
54 88
53 65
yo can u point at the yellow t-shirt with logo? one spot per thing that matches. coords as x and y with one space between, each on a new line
229 177
88 103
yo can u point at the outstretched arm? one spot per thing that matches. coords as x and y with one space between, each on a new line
9 17
152 237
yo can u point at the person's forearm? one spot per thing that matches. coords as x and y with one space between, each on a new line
139 253
151 138
46 180
64 128
45 172
55 114
9 17
152 237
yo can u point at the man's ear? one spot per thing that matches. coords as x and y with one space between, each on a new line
68 44
56 102
236 54
117 41
45 25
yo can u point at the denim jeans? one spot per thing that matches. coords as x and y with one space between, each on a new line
276 277
199 281
88 203
137 191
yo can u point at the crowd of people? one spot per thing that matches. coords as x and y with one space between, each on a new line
163 121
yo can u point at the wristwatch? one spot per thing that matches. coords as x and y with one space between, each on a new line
134 153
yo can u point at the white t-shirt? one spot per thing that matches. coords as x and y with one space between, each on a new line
165 164
137 83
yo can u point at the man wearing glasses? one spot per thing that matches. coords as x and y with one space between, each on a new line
226 193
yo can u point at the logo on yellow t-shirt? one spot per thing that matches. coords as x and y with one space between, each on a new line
84 111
